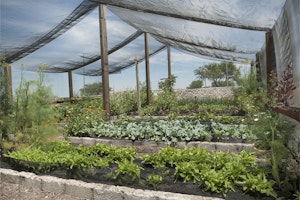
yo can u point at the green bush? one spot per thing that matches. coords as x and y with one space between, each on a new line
32 117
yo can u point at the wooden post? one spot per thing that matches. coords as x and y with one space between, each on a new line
104 59
147 69
169 62
70 84
8 75
138 85
257 67
268 56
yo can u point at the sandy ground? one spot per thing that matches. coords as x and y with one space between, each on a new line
13 192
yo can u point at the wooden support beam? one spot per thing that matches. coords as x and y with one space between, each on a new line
268 56
257 67
169 62
138 86
104 59
70 78
8 75
148 88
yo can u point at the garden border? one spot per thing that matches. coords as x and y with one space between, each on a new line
93 191
145 146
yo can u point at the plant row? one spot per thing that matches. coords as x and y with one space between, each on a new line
61 154
215 172
170 131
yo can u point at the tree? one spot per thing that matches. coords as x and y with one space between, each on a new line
167 84
91 89
195 84
220 74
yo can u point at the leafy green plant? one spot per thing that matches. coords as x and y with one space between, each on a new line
257 183
187 172
127 172
170 131
272 133
297 195
216 172
215 181
76 161
154 180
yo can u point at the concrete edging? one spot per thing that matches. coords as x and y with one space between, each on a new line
153 146
75 188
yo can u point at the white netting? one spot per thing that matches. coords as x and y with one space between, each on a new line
256 14
214 29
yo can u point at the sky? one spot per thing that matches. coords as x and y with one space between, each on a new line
23 23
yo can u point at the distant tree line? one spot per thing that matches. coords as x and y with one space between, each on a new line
219 74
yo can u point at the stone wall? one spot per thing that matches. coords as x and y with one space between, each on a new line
209 92
145 146
79 190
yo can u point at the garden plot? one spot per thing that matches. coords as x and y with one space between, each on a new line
188 170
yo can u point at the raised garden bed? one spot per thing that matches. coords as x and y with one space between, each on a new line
180 170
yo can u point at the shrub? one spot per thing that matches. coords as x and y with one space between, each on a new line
32 117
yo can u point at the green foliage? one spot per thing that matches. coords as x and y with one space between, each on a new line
127 172
165 101
216 172
154 180
219 74
297 195
272 132
222 84
32 117
187 172
124 102
6 102
216 181
76 160
251 97
195 84
91 89
257 183
167 84
170 131
82 114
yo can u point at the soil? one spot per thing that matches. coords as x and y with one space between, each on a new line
11 191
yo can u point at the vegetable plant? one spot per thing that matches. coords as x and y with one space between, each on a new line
127 172
154 180
257 183
170 131
217 172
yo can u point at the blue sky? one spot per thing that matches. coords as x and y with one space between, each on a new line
22 23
